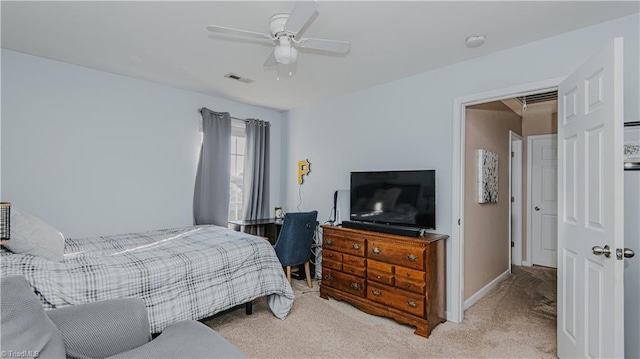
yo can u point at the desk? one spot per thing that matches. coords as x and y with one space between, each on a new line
271 226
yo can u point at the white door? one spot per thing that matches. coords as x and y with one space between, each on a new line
543 205
590 209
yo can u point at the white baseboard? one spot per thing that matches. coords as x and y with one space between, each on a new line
482 292
526 264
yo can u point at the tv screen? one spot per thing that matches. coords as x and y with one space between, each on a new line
405 198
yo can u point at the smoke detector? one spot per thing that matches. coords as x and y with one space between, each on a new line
475 40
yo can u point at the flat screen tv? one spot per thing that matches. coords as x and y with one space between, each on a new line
403 198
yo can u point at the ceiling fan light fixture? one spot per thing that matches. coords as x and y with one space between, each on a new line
285 54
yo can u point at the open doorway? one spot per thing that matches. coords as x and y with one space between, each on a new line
468 294
497 233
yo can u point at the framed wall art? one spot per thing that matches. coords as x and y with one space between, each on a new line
632 146
487 162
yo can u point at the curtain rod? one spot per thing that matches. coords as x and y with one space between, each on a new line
233 118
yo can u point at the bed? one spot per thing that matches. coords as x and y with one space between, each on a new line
180 273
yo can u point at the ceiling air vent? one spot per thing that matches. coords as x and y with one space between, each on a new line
233 76
538 97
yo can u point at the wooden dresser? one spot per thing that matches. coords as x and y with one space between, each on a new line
387 275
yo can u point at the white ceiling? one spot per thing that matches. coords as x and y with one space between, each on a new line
167 42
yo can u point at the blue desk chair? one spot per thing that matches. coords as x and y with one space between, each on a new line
294 242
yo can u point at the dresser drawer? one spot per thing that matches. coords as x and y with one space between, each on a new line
411 274
344 282
410 285
354 246
406 301
353 260
397 253
355 270
331 255
380 277
379 266
332 264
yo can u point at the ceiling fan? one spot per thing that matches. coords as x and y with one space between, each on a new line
283 29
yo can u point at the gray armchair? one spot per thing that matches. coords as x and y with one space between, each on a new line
117 328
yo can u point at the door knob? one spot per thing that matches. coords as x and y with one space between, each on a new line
626 253
536 208
597 250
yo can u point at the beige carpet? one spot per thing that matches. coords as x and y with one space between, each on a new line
517 319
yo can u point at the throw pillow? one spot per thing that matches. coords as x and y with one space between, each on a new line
31 235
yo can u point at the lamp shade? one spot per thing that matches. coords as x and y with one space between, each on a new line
5 220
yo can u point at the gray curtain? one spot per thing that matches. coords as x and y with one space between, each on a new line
256 170
213 177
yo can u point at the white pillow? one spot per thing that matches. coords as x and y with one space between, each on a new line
31 235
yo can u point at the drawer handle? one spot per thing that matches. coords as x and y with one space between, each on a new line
330 255
412 257
376 250
376 292
407 285
328 241
328 277
412 304
355 246
355 286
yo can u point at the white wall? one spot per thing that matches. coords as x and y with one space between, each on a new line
408 124
94 153
632 265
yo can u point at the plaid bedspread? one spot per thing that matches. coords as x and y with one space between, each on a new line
180 273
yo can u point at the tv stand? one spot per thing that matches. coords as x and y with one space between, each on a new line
383 228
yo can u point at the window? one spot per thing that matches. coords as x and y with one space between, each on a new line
238 143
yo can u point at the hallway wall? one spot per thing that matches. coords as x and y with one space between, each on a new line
486 227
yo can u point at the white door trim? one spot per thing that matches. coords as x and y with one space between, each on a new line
530 140
456 312
515 191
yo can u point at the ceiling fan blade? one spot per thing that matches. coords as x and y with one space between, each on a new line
271 60
228 30
325 45
301 13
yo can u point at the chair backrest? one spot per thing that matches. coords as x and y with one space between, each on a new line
293 246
